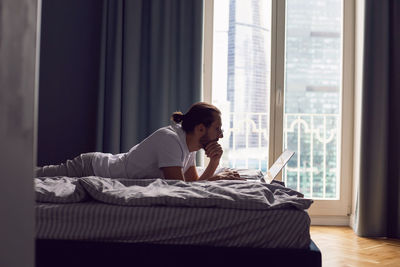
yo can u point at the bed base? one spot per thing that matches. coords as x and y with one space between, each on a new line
76 253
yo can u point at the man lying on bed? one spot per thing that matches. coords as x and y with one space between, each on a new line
169 152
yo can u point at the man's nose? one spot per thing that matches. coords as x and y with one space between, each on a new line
221 135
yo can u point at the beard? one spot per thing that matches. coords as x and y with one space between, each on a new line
205 140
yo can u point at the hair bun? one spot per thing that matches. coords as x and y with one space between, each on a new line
177 117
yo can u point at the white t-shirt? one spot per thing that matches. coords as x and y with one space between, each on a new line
166 147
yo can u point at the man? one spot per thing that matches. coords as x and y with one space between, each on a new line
168 153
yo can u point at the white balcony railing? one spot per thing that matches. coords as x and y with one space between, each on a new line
314 137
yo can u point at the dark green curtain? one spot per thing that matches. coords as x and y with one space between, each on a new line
378 202
151 67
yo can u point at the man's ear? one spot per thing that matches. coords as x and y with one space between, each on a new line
200 129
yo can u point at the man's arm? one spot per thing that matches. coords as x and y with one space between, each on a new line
214 152
191 174
173 173
208 173
176 173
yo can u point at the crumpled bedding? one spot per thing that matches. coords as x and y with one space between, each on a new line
59 190
232 194
221 194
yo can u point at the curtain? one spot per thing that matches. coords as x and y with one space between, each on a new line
151 66
378 202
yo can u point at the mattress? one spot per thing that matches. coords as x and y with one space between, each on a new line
219 213
278 228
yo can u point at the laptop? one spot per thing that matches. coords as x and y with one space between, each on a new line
277 166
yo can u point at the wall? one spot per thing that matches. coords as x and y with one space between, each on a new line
18 62
69 78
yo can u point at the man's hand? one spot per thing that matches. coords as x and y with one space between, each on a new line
226 175
213 150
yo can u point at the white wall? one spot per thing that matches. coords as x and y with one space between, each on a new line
18 29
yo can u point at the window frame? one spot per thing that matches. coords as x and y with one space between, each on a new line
338 211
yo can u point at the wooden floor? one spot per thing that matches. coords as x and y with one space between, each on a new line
340 246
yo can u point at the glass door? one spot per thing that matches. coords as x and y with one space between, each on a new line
241 79
280 71
313 89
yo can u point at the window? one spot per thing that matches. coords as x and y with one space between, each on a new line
311 124
241 79
277 70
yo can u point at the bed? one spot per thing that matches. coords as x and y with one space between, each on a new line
95 221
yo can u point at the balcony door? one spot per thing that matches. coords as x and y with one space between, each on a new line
279 72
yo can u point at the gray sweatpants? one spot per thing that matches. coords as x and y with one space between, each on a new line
80 166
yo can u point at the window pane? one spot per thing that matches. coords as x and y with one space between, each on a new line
241 79
313 96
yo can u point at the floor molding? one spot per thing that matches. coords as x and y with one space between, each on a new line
330 220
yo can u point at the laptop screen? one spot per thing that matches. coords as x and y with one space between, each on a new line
277 166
